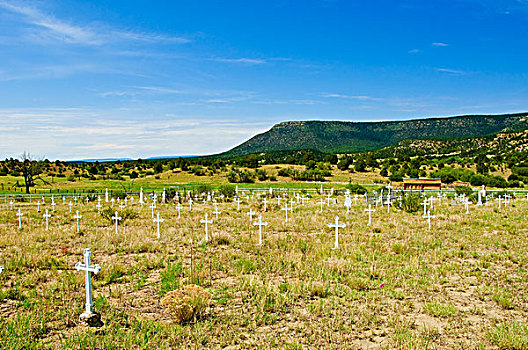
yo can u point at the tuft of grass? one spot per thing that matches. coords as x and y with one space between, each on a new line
437 309
509 335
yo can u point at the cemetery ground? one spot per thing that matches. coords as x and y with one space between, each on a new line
394 284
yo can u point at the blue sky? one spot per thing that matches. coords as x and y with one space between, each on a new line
97 79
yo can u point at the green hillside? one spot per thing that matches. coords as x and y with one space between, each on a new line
350 137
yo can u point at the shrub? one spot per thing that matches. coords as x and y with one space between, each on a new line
188 303
355 188
410 203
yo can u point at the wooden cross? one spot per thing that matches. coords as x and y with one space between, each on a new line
337 225
370 210
116 218
77 216
47 216
87 268
206 222
157 221
260 224
19 214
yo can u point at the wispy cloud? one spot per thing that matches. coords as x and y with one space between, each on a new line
413 51
243 60
52 29
450 71
440 44
350 97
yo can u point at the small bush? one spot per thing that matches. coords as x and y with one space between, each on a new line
410 203
188 303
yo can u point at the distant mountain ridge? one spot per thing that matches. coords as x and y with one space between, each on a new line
351 137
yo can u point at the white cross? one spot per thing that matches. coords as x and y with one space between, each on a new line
87 268
328 199
322 203
63 200
265 204
152 207
179 207
38 207
286 208
158 220
52 205
431 201
355 199
19 214
250 214
237 200
337 225
370 210
116 218
466 203
106 195
389 203
87 200
99 206
190 204
122 206
278 200
500 198
70 204
75 200
260 224
206 222
425 203
216 212
77 216
47 216
11 204
428 217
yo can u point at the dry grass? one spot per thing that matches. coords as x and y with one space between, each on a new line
394 284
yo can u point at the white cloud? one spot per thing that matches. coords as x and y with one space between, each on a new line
52 29
440 44
243 60
451 71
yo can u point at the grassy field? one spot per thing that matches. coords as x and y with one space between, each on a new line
394 284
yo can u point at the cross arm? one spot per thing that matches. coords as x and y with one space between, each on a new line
82 267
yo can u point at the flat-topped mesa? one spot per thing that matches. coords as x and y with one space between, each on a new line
352 137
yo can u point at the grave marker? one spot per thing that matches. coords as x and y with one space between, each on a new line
116 218
337 225
19 214
47 216
77 216
157 221
260 224
88 316
370 210
206 222
428 217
